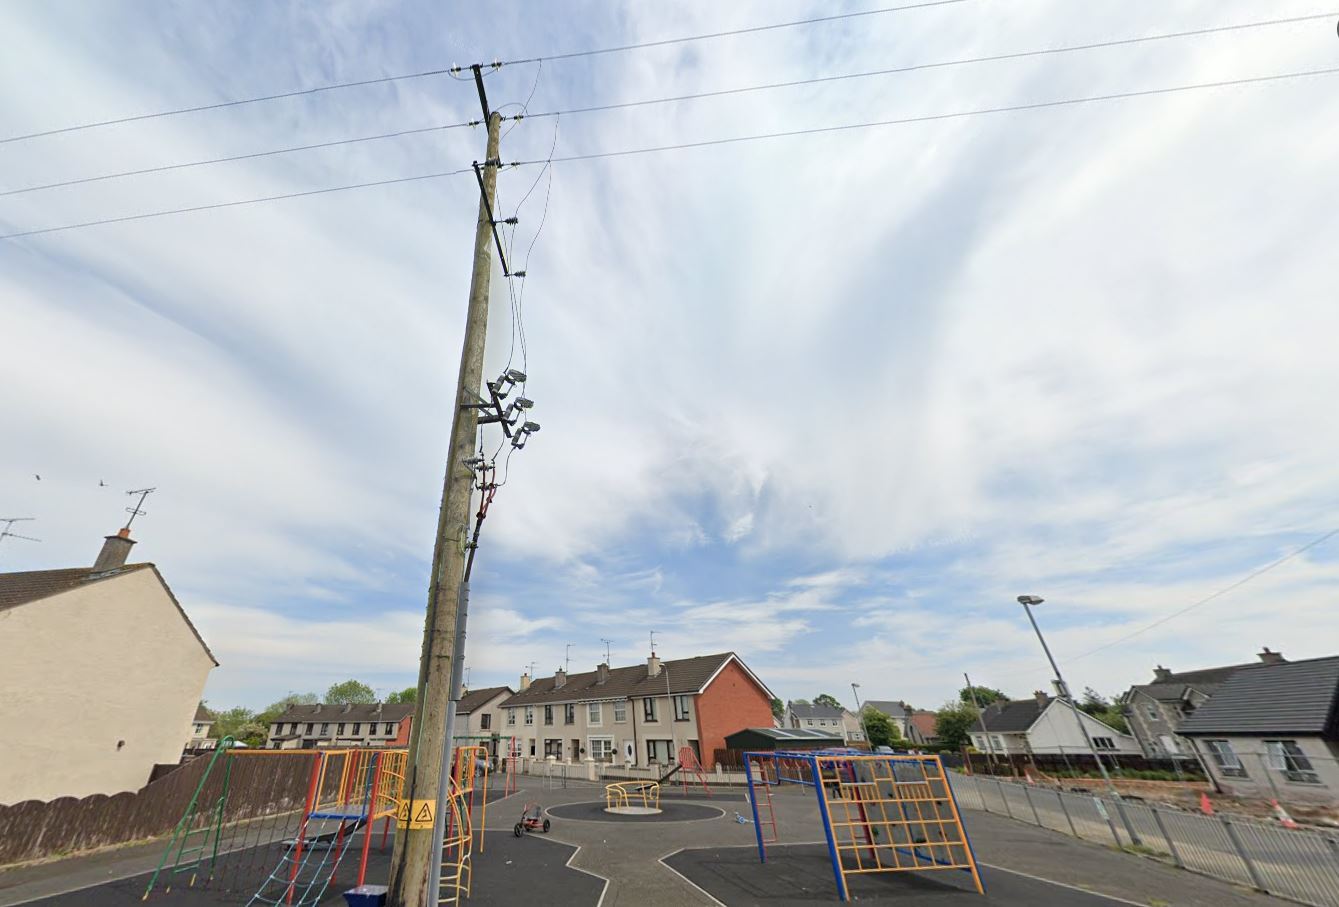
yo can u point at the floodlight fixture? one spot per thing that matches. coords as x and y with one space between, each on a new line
530 427
523 403
515 375
1030 599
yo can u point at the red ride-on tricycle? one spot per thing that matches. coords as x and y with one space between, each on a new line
532 819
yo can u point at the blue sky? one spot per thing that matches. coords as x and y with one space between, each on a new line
829 401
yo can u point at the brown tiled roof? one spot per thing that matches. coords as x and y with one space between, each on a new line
685 675
202 713
925 723
24 588
369 711
475 699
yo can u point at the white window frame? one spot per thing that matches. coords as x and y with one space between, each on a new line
1287 758
511 718
595 717
1151 710
530 720
604 738
1225 758
620 712
1106 744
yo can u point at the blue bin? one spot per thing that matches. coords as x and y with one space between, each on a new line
366 896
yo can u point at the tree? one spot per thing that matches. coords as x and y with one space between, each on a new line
953 724
880 728
240 724
408 695
778 708
269 715
1104 710
350 691
984 695
828 700
799 702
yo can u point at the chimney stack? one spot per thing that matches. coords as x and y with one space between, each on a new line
114 552
1161 675
1270 658
559 678
653 666
1042 699
602 672
525 682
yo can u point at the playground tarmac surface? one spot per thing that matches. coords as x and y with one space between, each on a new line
708 861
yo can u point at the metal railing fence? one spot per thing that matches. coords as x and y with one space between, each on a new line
1301 864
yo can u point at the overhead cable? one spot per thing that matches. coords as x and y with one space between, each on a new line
453 70
902 121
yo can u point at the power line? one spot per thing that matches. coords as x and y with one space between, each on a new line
926 118
1208 598
735 31
941 64
245 201
994 58
453 70
241 157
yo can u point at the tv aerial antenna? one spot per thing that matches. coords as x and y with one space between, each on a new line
139 505
9 524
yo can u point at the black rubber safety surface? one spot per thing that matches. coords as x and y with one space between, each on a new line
508 872
801 874
593 811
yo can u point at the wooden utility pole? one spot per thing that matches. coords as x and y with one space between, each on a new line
410 885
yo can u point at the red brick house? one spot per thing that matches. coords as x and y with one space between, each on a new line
642 714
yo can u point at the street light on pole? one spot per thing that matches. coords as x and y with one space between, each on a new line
1029 602
859 710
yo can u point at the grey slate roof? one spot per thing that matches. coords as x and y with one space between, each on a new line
475 699
685 675
1013 717
371 711
1206 680
1294 697
203 714
794 733
808 710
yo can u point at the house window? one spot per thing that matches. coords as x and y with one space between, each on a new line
1287 757
594 720
511 717
485 721
658 751
339 731
532 746
809 722
569 714
357 728
548 714
325 729
390 727
1104 743
529 720
681 707
649 709
601 748
553 748
620 712
1151 711
997 741
293 729
1223 757
311 728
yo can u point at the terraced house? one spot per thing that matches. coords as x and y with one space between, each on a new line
640 715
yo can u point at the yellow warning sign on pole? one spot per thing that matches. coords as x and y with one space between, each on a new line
416 813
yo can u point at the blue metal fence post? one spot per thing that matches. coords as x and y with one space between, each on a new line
753 802
827 828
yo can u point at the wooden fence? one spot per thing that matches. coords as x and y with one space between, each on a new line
33 830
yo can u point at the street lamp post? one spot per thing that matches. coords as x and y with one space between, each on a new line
1028 602
861 712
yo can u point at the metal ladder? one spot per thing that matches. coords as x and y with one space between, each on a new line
189 841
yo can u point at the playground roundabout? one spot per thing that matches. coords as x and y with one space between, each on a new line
668 811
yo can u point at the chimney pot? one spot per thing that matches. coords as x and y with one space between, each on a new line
525 682
1161 674
559 678
603 672
1042 699
1270 658
115 550
653 666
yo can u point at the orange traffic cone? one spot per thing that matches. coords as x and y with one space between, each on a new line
1282 815
1205 806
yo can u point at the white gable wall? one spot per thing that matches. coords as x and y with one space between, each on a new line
106 662
1057 732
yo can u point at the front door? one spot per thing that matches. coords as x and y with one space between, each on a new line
576 750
